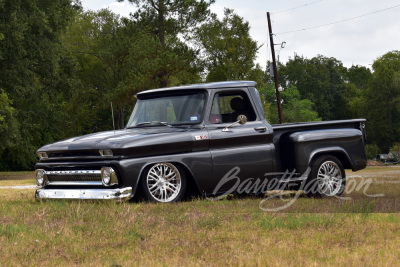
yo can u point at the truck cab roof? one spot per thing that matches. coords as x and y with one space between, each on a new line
202 86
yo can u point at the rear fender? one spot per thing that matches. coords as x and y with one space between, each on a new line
345 144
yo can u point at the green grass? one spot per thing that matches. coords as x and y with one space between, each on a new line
200 232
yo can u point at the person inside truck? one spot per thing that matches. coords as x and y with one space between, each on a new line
227 107
239 107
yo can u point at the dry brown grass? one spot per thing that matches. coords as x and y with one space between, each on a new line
372 170
17 182
16 175
198 232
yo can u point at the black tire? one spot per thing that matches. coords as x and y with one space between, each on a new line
327 177
163 182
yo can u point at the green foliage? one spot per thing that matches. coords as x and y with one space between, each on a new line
228 49
117 59
1 38
320 80
8 124
359 76
34 75
372 150
300 111
355 99
103 51
395 150
61 67
6 110
294 109
170 20
382 99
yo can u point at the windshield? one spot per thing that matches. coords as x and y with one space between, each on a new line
172 109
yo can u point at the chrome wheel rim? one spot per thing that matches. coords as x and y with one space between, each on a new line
164 182
329 178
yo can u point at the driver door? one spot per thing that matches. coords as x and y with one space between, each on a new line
242 152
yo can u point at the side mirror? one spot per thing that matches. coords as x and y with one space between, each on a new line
241 119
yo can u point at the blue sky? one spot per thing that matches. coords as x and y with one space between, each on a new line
354 42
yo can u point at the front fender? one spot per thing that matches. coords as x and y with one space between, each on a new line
198 165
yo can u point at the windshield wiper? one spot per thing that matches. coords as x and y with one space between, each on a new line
142 123
147 123
163 123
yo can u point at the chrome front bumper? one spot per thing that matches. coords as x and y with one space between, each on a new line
117 194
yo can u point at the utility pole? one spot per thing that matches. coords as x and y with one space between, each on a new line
278 95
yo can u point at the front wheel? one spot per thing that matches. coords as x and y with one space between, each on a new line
326 178
164 182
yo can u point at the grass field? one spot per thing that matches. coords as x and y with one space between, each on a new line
201 232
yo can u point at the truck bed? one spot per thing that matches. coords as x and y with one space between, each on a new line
284 147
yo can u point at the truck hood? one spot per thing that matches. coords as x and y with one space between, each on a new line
139 139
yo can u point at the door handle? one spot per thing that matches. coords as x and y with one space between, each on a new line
261 129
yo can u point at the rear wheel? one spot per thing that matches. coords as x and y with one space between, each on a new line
164 182
327 177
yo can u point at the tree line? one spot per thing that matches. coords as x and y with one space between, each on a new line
61 66
321 88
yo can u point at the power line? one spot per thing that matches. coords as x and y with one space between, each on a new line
344 20
296 7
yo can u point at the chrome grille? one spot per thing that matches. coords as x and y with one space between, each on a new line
73 177
64 154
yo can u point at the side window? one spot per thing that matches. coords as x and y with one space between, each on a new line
228 106
215 116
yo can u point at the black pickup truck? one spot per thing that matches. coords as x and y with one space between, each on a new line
208 138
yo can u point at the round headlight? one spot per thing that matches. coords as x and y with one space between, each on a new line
108 176
40 177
